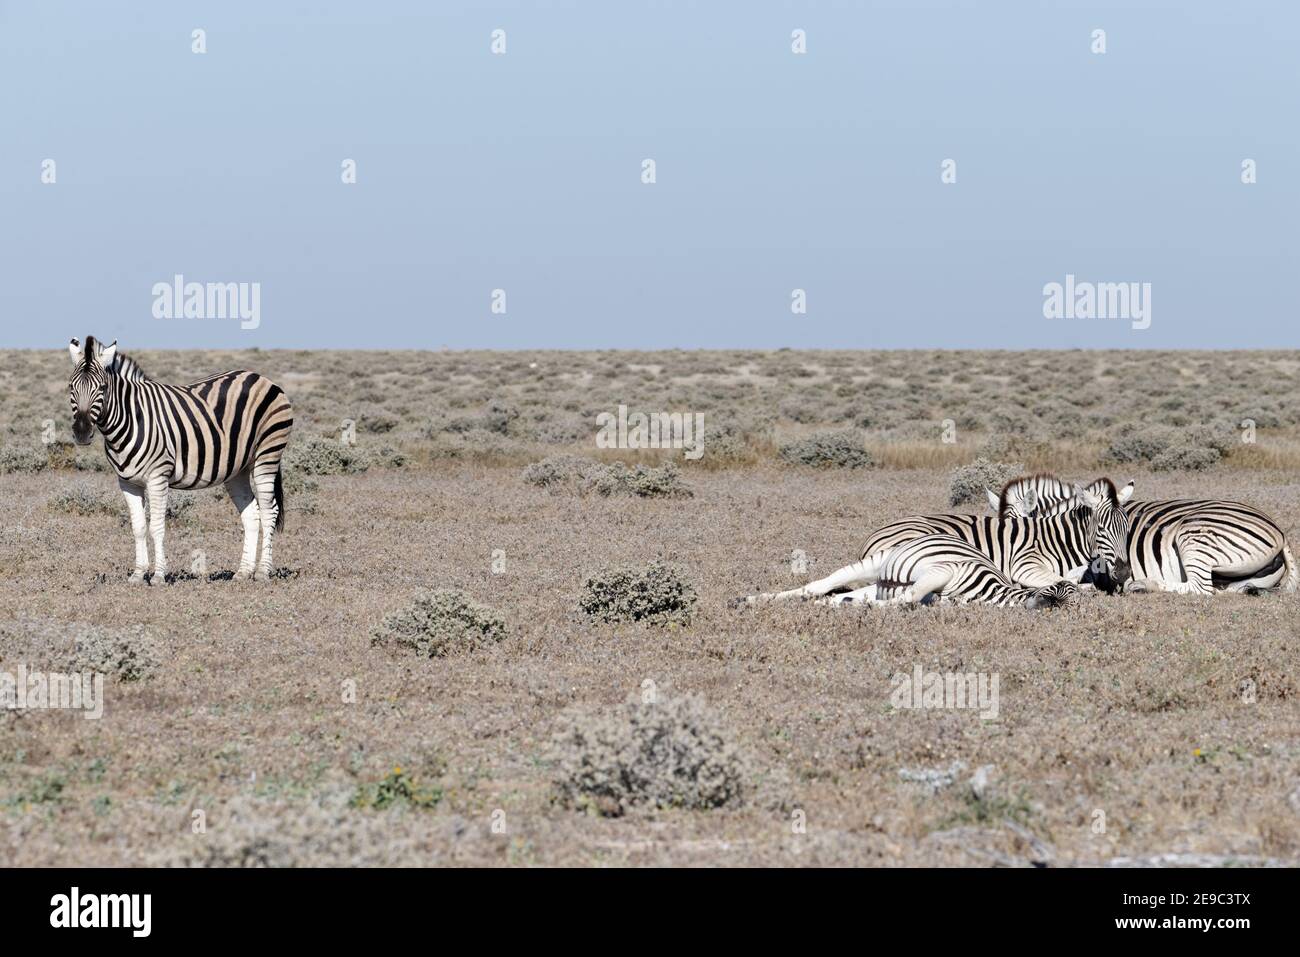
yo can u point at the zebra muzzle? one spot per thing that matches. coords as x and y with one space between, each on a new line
82 430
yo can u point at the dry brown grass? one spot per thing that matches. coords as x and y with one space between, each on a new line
1131 706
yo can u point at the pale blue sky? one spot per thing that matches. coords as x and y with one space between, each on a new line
775 171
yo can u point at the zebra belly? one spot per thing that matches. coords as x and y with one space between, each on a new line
199 470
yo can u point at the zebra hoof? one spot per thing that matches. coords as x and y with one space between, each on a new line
261 576
243 575
135 578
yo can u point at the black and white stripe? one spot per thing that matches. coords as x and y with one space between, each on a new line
1037 496
1192 546
229 429
942 568
1088 537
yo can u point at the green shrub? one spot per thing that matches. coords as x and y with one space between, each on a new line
657 594
377 423
131 654
828 450
584 476
90 460
969 482
1192 459
440 623
662 753
317 455
390 457
396 788
1168 450
83 501
1139 446
22 458
496 418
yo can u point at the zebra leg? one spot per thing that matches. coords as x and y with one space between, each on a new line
929 581
134 496
158 525
262 480
858 596
246 504
1253 586
857 574
1198 565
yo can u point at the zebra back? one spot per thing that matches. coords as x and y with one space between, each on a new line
1008 543
201 434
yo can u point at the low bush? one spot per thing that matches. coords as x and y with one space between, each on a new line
828 450
441 623
131 654
81 500
317 455
22 458
657 594
583 476
969 482
669 752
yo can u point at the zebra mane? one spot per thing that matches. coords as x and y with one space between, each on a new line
1104 486
122 364
126 367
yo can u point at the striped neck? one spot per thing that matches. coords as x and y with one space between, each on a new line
114 417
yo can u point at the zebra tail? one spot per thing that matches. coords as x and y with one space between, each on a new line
1292 580
280 498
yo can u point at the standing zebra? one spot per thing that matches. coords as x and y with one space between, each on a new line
943 567
1088 536
230 428
1186 545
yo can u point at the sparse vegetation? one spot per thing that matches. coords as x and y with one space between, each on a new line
397 788
824 450
22 458
82 500
441 623
269 708
666 752
129 654
317 455
657 594
582 476
969 482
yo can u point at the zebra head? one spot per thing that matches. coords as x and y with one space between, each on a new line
1107 532
1043 495
1062 594
90 365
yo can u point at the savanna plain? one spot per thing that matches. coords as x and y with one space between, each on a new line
490 642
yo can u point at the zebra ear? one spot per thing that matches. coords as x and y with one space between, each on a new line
1125 493
994 501
75 350
1086 497
108 354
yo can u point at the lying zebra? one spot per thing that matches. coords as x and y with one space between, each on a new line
1181 545
951 571
1086 536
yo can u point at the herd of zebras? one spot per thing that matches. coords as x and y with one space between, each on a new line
1044 540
